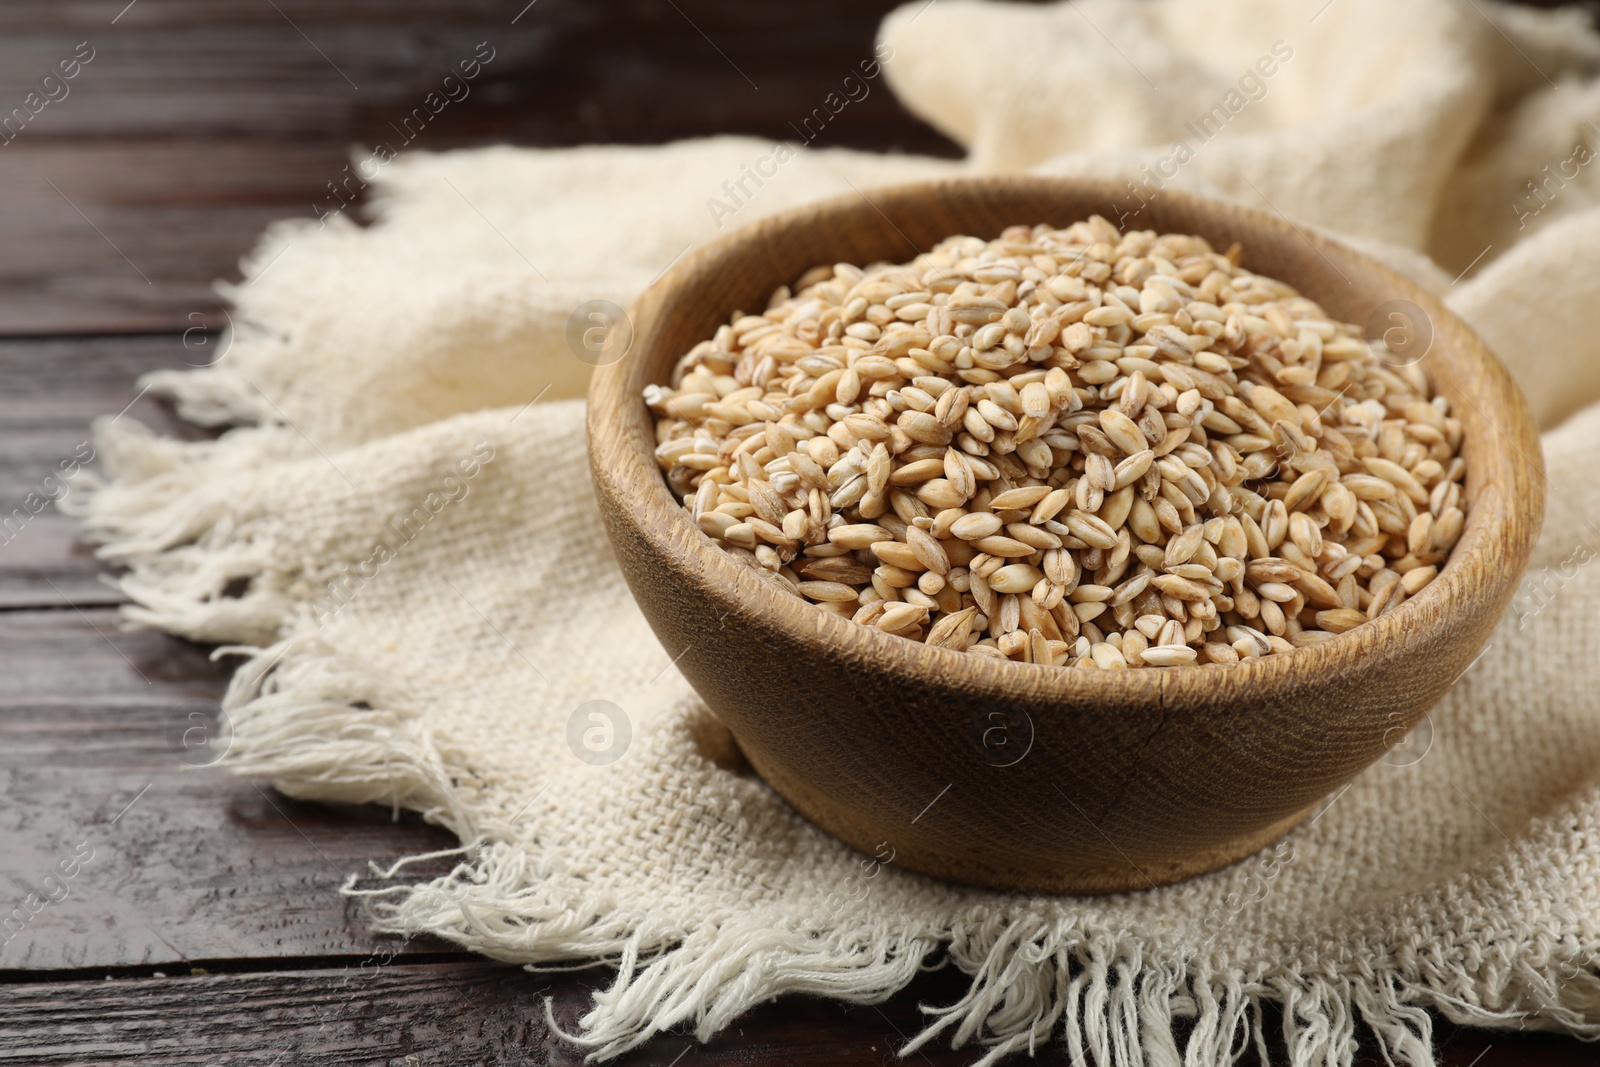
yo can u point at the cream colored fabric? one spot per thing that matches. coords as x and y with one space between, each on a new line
431 600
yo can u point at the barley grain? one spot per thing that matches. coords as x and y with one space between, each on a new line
1000 449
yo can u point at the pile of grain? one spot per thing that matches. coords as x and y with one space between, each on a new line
1074 447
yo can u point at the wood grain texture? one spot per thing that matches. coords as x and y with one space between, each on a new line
197 123
78 655
374 1010
1135 778
636 71
124 846
54 389
123 236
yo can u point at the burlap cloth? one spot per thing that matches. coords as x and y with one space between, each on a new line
413 555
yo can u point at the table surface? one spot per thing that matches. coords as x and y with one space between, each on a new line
203 923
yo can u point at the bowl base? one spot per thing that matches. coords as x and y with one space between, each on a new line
1064 878
1099 880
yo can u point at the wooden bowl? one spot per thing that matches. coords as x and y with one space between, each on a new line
1025 777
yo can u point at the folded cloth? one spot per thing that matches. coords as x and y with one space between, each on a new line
400 535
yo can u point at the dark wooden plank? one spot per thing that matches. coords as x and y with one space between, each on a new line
53 389
80 656
450 1014
196 123
374 1011
42 562
628 70
123 846
126 237
63 381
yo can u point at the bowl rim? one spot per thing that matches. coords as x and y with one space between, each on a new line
1494 482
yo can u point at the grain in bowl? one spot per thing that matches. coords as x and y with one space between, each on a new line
1073 447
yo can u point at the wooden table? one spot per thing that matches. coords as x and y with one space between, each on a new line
201 924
